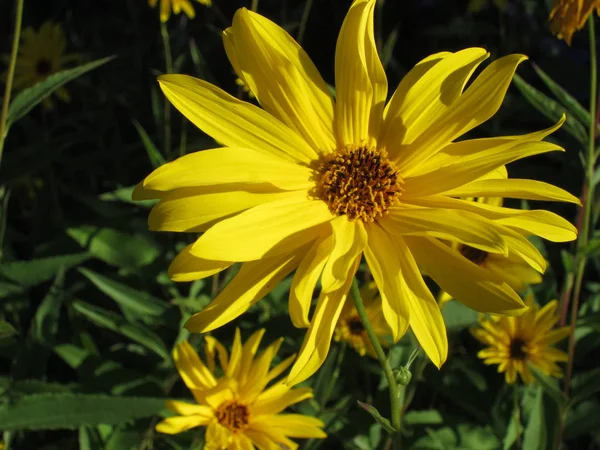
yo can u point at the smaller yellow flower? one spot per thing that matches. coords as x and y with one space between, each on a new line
177 6
569 16
350 328
234 403
515 342
41 54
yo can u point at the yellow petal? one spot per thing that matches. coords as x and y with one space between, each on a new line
295 425
266 438
212 345
233 122
349 240
218 437
305 280
188 211
234 365
425 94
554 336
463 280
477 104
277 398
192 370
187 267
281 367
190 409
266 230
447 224
383 261
318 336
514 188
361 84
254 280
283 78
229 166
249 352
179 424
521 247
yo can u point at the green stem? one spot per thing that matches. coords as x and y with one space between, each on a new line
303 20
254 6
517 413
395 400
334 376
167 106
11 74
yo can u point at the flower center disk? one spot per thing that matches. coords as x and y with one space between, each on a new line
473 254
233 415
359 182
355 326
516 349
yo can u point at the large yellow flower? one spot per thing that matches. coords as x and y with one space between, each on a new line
41 54
312 184
177 6
568 16
515 342
238 408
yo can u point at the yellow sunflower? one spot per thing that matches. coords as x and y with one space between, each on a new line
350 329
177 6
515 342
311 184
41 54
569 16
238 409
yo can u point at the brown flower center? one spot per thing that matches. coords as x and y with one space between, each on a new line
360 182
517 350
43 67
233 415
355 326
473 254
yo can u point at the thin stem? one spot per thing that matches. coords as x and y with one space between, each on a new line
303 20
334 376
167 106
395 404
517 413
254 6
11 74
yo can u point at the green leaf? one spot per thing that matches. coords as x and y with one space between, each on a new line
28 98
115 322
132 299
124 195
72 355
89 439
45 322
535 435
6 330
457 316
567 100
115 247
584 385
154 155
385 423
551 109
30 273
56 411
583 420
549 385
124 438
423 417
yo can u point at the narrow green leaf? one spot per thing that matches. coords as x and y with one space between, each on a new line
72 355
116 247
89 439
584 385
583 420
423 417
513 430
385 423
124 195
154 155
36 271
568 101
123 438
549 385
551 109
28 98
132 299
45 322
6 330
56 411
535 436
114 322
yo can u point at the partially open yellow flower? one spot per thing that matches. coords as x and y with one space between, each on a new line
236 403
350 328
166 6
515 342
41 54
568 16
312 185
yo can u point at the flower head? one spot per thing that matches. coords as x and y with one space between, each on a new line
350 328
236 403
312 185
166 6
515 342
569 16
41 54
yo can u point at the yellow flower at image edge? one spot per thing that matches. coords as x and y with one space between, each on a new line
569 16
41 54
311 184
166 6
515 342
239 409
350 328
